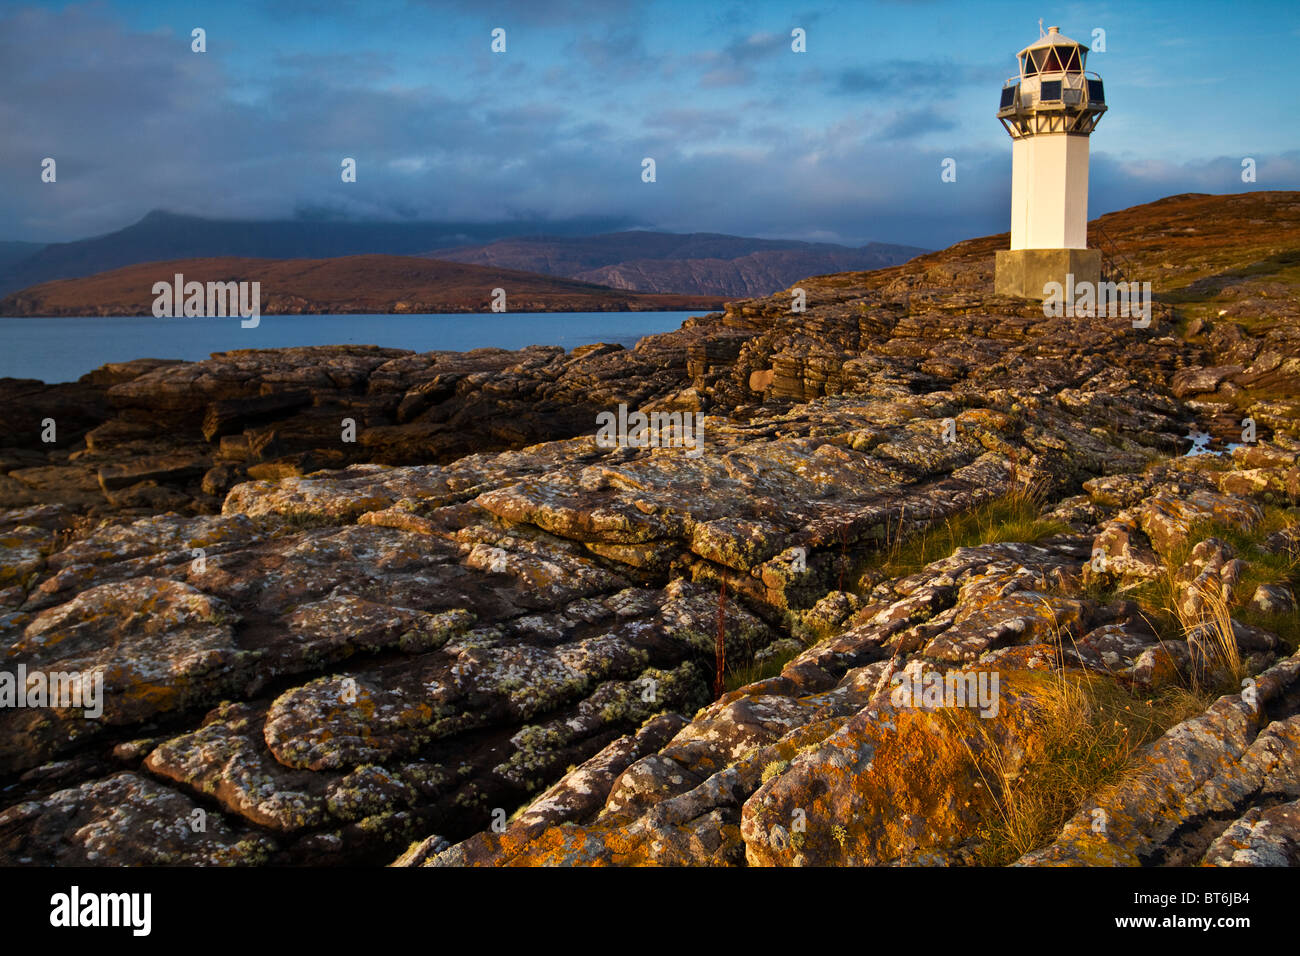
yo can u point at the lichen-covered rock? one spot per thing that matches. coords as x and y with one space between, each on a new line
158 546
134 649
1120 550
409 635
124 820
579 793
227 760
1261 837
1112 647
1273 599
1167 519
894 784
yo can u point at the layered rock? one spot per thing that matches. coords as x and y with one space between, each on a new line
475 635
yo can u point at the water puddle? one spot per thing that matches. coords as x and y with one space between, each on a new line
1202 444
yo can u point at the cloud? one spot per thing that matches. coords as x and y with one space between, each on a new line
694 124
1117 183
747 137
611 55
533 12
736 62
910 124
904 76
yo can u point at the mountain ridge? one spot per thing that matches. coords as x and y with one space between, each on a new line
370 284
163 236
700 263
575 249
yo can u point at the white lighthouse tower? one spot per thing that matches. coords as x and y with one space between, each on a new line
1050 108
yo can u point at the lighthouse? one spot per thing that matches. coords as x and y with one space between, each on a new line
1049 108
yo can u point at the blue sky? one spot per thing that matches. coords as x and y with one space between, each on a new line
842 143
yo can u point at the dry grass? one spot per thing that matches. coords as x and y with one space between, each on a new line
720 644
1090 726
1159 598
1088 729
1217 662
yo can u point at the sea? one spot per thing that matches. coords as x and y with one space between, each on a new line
65 348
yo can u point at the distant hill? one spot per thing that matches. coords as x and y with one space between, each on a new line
698 263
162 236
586 249
348 284
12 253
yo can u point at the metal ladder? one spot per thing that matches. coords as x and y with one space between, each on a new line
1114 264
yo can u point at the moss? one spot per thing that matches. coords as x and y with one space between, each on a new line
436 630
775 769
305 521
251 852
682 684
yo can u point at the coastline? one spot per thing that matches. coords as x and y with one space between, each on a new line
357 603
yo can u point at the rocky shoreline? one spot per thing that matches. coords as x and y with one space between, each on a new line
472 636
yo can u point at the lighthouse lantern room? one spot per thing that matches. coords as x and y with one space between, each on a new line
1049 109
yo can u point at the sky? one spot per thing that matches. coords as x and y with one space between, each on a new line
845 142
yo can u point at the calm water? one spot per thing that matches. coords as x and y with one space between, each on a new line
64 349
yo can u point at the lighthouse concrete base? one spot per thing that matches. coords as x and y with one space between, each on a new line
1025 272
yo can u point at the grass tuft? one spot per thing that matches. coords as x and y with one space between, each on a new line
1015 516
1090 727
